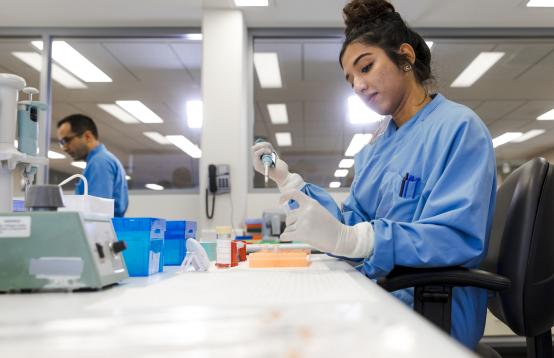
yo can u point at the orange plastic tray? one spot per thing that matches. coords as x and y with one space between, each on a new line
279 258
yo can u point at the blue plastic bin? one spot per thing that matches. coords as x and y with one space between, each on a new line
145 244
175 236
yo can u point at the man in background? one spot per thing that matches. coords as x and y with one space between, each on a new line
78 137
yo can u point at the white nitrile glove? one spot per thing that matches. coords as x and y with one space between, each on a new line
313 224
280 174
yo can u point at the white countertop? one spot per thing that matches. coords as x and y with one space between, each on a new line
326 310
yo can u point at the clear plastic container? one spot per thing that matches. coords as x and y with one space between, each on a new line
224 247
176 234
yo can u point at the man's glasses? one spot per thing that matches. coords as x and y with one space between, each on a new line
67 139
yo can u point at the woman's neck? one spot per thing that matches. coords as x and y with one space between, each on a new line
416 99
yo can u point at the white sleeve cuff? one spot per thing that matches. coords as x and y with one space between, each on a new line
292 182
355 241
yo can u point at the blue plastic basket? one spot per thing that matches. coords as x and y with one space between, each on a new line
145 244
175 236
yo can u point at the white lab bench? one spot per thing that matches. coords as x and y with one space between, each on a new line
326 310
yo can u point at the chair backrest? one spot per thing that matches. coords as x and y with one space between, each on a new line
521 248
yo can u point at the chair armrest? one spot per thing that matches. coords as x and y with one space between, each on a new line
403 277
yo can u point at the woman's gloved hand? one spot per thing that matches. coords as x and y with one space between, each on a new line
313 224
280 173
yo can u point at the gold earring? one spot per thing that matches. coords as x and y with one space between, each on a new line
407 68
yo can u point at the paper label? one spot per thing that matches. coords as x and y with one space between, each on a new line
15 226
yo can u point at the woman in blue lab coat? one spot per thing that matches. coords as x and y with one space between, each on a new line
424 190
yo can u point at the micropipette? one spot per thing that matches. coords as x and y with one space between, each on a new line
268 160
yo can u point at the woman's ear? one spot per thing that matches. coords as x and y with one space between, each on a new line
408 52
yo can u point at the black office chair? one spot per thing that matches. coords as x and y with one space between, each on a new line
518 268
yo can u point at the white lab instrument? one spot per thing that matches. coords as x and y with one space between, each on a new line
42 248
196 258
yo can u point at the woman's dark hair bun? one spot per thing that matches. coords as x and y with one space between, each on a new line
360 14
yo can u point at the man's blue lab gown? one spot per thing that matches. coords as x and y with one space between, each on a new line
106 178
443 217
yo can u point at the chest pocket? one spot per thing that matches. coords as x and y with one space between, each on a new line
398 202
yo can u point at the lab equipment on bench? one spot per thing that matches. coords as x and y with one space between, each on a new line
279 258
268 160
43 248
145 244
196 258
176 233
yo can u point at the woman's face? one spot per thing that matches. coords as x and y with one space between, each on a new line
374 77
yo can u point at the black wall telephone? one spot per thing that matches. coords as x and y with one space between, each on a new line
218 183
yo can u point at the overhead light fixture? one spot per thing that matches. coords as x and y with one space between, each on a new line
59 75
194 114
267 69
80 165
127 177
185 145
540 3
477 68
74 62
505 138
140 111
357 143
429 44
194 37
528 135
359 113
157 137
548 116
55 155
284 139
118 112
346 163
334 184
154 187
278 113
252 2
341 173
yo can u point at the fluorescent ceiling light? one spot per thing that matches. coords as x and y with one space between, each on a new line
81 165
140 111
346 163
267 69
548 116
194 114
154 187
194 37
359 113
341 173
252 2
59 75
540 3
118 112
429 44
127 177
55 155
358 142
74 62
477 68
278 113
157 137
185 145
283 139
334 184
505 138
528 135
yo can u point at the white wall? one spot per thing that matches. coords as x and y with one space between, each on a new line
192 207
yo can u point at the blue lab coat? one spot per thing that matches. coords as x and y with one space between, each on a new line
442 216
106 178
